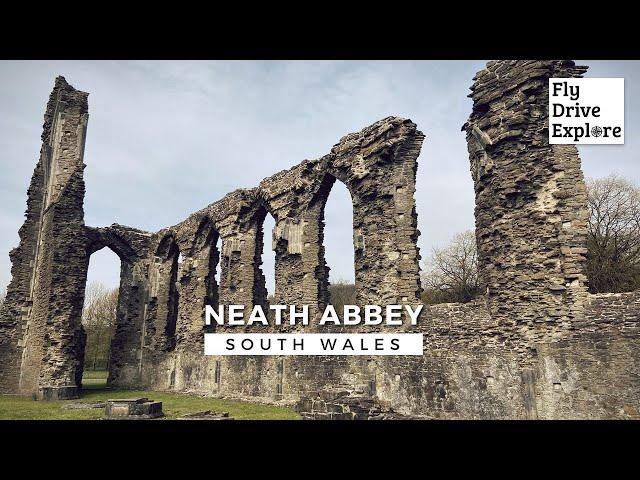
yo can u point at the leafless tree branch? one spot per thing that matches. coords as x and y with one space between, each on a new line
450 274
613 238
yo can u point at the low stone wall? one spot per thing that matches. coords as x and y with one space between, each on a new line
469 369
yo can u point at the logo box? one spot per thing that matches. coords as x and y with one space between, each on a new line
586 111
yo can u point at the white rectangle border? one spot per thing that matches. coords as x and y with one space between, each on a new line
580 127
251 344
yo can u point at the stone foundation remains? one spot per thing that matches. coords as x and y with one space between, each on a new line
132 409
537 345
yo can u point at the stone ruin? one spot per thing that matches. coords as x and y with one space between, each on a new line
132 409
535 345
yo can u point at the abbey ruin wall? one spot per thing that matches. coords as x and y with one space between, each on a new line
535 345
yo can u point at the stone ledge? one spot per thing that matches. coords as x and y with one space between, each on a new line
133 409
67 392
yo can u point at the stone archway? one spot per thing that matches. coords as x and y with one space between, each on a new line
131 246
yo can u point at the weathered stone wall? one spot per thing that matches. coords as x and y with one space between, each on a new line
385 248
537 345
470 369
531 208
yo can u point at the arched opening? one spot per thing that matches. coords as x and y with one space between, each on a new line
211 281
336 235
268 256
207 247
217 278
264 261
99 316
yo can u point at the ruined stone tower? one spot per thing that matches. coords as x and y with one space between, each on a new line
42 339
531 204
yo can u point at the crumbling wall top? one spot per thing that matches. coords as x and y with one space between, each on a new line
501 77
381 135
64 94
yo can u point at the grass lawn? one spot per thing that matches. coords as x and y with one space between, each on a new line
173 404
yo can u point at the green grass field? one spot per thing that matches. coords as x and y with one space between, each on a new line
173 404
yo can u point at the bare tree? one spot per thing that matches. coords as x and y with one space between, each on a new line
450 274
3 295
342 293
99 322
613 240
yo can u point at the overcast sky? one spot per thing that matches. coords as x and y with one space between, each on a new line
168 138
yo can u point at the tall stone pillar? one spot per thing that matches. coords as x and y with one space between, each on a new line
315 282
238 223
161 313
296 199
237 269
378 165
197 287
43 343
531 204
126 356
